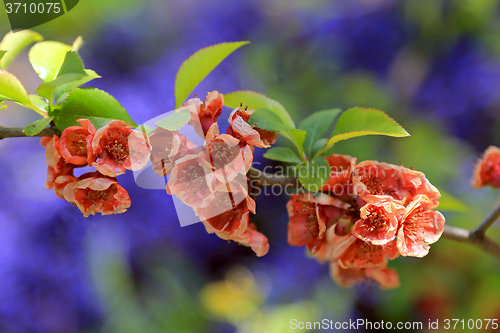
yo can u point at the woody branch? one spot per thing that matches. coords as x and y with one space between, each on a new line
18 132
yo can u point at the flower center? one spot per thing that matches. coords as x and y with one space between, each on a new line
117 146
311 218
367 251
192 174
373 183
223 153
376 221
78 146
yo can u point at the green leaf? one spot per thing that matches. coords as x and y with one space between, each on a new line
37 126
270 121
363 121
318 146
72 64
2 53
14 43
45 91
38 101
2 106
11 89
316 126
282 154
63 90
175 121
90 103
47 58
256 101
449 203
314 174
267 120
198 66
72 74
297 137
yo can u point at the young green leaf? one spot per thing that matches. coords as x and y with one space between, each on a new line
2 106
297 137
314 174
45 91
282 154
62 91
318 146
362 121
256 101
14 43
71 69
175 121
91 103
316 126
38 101
72 74
47 58
11 89
37 126
2 53
198 66
270 121
267 120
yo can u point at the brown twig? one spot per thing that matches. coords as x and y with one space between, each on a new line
260 179
476 238
472 238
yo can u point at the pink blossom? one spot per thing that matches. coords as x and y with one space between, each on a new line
119 148
379 220
94 193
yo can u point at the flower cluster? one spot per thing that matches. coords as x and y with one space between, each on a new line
364 216
212 179
111 150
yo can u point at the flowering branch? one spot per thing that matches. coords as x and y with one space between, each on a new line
481 230
18 132
476 237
